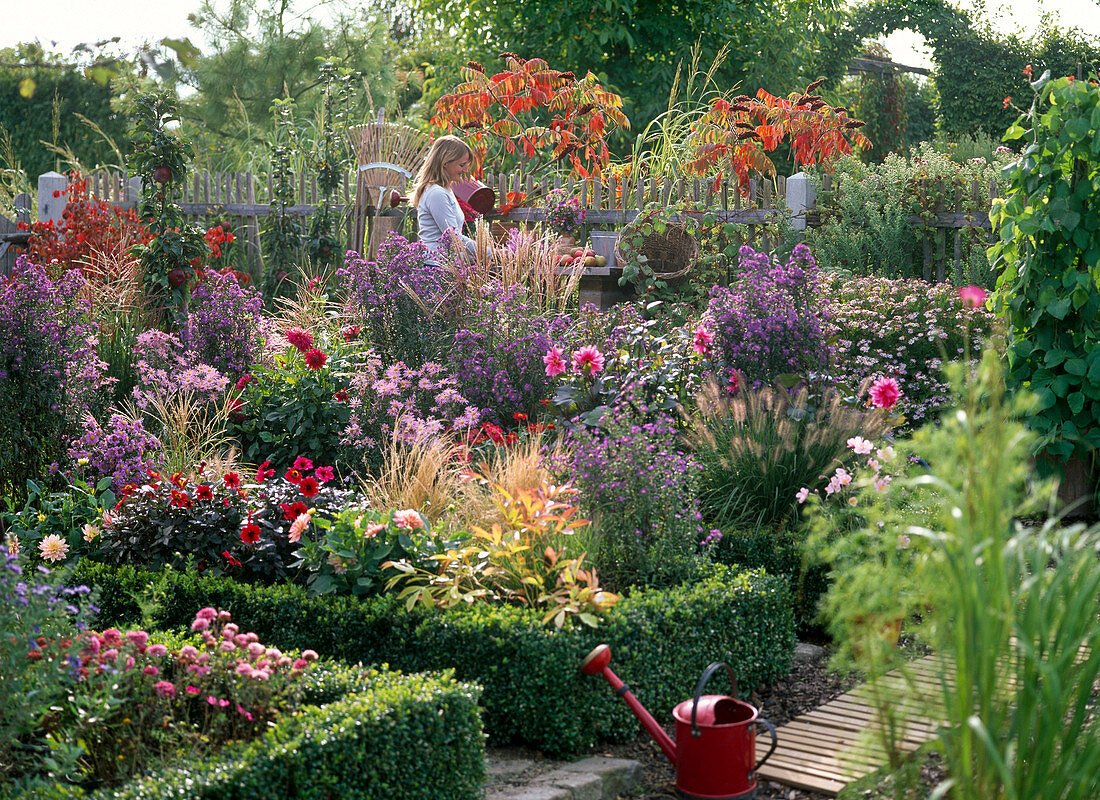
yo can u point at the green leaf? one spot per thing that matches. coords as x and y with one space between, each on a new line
1060 307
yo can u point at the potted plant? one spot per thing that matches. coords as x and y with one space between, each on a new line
564 216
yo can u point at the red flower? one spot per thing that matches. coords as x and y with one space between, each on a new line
243 381
309 487
341 396
301 339
181 500
351 333
204 492
294 510
230 559
293 475
250 533
324 474
302 464
232 480
315 359
494 432
519 416
262 472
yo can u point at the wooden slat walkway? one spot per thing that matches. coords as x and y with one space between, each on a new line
820 751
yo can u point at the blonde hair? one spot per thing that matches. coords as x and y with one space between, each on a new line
445 150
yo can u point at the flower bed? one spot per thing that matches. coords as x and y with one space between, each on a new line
533 690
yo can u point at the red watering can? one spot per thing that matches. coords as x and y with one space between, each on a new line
715 749
476 194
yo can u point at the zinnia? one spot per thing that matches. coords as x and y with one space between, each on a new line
301 339
53 547
315 359
588 359
555 363
885 393
250 533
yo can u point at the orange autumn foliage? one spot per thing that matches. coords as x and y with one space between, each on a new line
547 115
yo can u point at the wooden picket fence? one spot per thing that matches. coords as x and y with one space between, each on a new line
240 199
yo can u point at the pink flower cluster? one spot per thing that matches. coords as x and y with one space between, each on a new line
587 361
841 478
242 651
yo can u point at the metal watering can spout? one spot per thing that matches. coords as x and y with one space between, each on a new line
597 663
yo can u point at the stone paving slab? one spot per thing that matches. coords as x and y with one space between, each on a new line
595 778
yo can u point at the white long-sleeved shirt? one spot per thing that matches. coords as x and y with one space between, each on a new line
438 211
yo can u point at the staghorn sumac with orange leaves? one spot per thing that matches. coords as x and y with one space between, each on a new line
736 134
544 115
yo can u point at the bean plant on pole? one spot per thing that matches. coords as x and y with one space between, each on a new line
160 157
330 161
282 233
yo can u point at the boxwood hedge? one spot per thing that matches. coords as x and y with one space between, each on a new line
661 641
375 734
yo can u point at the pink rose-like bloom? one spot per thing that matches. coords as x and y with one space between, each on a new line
230 630
256 649
129 664
200 624
972 296
588 359
301 339
373 529
224 616
885 393
250 637
241 640
702 342
555 362
734 385
192 690
301 463
299 663
207 613
149 669
158 650
188 653
243 668
324 474
298 527
140 638
407 519
112 636
165 689
309 655
109 655
227 646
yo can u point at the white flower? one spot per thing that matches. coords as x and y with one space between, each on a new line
53 547
90 532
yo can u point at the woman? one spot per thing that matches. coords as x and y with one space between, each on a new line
437 209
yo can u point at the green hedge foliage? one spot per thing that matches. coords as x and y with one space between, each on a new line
378 734
533 690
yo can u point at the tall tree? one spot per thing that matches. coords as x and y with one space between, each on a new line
267 51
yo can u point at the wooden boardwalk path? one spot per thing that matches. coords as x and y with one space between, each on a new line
820 751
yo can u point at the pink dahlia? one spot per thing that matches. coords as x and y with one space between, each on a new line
301 339
885 393
702 342
588 359
555 362
407 519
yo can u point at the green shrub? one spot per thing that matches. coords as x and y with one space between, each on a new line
382 734
534 692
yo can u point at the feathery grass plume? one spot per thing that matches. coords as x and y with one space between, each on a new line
190 430
424 474
307 309
759 447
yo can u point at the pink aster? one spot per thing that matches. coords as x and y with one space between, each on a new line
885 393
554 361
588 359
301 339
972 296
702 342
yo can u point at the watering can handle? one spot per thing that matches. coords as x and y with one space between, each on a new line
702 685
775 741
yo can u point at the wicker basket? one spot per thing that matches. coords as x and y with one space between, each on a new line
670 255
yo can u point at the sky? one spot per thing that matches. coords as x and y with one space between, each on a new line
70 22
